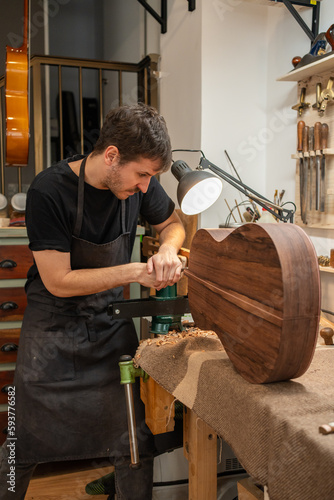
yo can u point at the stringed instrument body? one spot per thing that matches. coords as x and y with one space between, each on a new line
258 287
17 105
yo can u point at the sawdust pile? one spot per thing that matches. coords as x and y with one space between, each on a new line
172 338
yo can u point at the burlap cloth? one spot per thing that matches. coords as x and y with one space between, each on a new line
273 428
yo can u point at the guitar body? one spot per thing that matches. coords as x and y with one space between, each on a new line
258 287
17 107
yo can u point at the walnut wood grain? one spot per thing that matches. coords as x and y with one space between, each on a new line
258 288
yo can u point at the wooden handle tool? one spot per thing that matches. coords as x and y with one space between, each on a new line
324 142
317 147
304 179
300 129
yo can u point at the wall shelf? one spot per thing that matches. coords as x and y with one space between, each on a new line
321 66
326 269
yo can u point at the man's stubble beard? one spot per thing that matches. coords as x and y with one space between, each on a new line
112 180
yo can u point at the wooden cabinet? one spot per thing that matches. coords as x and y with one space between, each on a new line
15 260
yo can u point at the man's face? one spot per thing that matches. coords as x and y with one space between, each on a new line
132 177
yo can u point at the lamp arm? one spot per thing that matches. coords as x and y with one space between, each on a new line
284 214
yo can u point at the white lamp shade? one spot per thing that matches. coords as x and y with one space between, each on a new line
201 196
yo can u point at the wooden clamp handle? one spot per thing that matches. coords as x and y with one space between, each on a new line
317 136
327 334
324 136
300 128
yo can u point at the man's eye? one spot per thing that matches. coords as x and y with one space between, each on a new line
142 175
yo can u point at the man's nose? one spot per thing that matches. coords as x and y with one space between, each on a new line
143 185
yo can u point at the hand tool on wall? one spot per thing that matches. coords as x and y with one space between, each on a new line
317 104
324 142
306 167
312 164
302 104
317 146
295 61
300 129
326 96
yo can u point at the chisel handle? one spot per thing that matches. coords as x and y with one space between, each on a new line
317 136
324 136
311 139
305 139
300 128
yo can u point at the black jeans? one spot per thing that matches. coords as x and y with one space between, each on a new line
134 484
131 484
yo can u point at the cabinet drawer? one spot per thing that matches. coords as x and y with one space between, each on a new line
6 379
3 426
9 343
13 302
15 261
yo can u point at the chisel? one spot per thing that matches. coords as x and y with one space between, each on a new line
324 141
300 128
311 152
306 165
317 146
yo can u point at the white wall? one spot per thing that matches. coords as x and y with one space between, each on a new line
180 83
219 91
234 55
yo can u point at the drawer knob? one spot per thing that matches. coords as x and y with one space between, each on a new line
8 306
5 388
9 347
8 264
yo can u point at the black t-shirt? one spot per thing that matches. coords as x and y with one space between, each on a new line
52 206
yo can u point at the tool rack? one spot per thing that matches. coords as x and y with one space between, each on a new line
308 77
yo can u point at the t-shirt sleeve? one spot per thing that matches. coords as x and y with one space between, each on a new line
47 228
156 205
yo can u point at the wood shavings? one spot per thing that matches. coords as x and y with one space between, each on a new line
175 336
172 338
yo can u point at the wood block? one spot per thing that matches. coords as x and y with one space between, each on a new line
247 490
200 449
159 407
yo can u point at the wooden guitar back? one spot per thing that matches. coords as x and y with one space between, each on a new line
258 288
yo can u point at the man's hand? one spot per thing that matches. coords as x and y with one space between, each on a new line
165 265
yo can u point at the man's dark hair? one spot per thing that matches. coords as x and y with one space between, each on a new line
137 131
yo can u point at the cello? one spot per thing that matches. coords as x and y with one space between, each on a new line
16 95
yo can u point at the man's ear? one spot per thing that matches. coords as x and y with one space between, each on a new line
110 154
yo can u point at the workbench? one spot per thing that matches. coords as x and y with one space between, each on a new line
272 428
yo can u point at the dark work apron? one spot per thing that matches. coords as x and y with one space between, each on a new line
69 401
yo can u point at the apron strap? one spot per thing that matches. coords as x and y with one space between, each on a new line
123 216
80 204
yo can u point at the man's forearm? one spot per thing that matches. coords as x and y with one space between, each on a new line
60 280
89 281
172 235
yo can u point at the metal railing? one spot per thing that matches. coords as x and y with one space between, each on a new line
48 80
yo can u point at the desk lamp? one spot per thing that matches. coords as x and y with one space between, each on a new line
199 189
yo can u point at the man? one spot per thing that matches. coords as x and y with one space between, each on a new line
81 217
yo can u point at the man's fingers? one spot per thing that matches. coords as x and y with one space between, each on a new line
149 266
